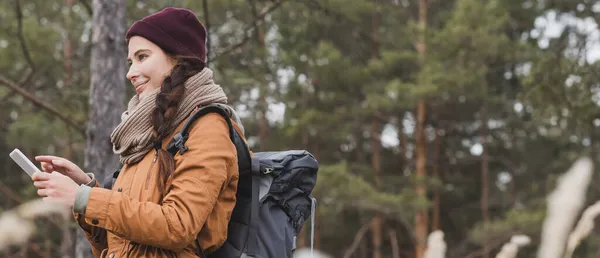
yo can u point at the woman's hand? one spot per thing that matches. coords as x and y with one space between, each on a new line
55 187
65 167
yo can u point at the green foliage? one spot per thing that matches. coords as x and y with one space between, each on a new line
340 189
514 222
332 69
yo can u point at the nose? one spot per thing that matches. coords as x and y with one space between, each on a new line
132 74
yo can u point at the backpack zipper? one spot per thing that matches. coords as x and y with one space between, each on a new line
150 170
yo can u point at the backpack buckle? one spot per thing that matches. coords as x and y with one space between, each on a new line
181 147
179 143
268 170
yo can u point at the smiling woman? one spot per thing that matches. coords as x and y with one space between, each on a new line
149 65
162 205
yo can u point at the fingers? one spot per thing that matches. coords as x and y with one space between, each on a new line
61 163
54 163
46 158
43 192
47 167
40 184
40 176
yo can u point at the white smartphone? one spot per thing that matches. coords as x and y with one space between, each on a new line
24 162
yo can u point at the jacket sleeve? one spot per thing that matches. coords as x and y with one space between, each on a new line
90 231
196 183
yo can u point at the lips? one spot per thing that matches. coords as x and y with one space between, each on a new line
139 87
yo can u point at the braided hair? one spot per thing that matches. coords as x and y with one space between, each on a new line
171 93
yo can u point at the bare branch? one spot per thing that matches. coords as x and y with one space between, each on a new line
248 30
36 101
357 238
22 39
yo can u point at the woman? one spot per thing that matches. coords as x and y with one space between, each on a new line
159 204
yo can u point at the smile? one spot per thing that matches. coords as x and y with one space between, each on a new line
139 87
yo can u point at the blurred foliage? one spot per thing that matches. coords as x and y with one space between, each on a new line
326 70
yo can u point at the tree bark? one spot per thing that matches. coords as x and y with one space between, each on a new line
421 218
67 244
394 243
301 240
436 174
259 35
377 223
485 175
107 94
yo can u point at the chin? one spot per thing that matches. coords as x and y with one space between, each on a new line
143 94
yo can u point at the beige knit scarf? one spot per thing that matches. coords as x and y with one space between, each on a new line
133 137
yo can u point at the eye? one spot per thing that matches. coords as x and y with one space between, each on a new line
141 57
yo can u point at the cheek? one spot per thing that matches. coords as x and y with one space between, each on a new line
159 72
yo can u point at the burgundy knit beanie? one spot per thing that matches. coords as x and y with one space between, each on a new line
176 30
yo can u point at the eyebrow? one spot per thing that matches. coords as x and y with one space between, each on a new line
137 52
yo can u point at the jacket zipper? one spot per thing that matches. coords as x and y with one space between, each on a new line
150 170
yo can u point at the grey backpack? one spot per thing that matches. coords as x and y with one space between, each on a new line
273 199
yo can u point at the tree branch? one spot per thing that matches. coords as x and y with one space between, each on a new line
69 121
357 238
24 48
248 30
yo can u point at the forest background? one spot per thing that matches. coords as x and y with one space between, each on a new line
425 115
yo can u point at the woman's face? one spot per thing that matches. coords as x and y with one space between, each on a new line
148 65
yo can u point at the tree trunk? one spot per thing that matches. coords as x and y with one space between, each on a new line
259 36
403 144
301 240
485 175
67 244
421 218
263 124
394 243
68 52
317 232
107 93
377 223
436 174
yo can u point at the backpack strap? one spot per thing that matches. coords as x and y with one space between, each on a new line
178 142
245 163
109 181
177 145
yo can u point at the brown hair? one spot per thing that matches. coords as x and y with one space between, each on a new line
171 92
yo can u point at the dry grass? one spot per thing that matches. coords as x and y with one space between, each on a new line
564 205
436 246
583 229
510 249
17 225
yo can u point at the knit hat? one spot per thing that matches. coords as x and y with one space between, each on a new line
176 30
